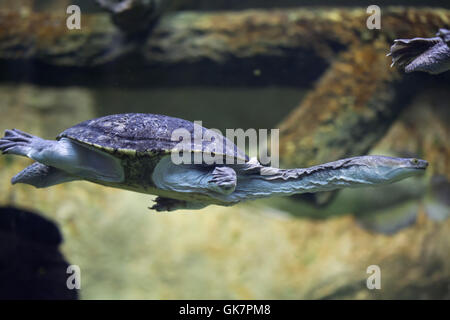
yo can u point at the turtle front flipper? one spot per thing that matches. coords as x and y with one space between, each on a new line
223 180
168 204
194 178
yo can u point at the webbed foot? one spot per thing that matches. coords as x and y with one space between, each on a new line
17 142
168 204
223 180
422 54
42 176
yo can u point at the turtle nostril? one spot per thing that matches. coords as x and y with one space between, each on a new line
423 164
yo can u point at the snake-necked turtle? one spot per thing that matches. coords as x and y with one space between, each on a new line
134 152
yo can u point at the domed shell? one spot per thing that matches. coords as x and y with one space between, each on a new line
139 133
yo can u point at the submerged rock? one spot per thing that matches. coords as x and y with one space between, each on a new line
31 265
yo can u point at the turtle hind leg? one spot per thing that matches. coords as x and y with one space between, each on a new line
42 176
24 144
69 156
20 143
168 204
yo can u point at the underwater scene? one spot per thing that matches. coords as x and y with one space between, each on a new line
180 149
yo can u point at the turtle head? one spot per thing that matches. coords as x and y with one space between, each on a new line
382 169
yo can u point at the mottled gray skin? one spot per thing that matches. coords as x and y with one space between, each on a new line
430 55
133 152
